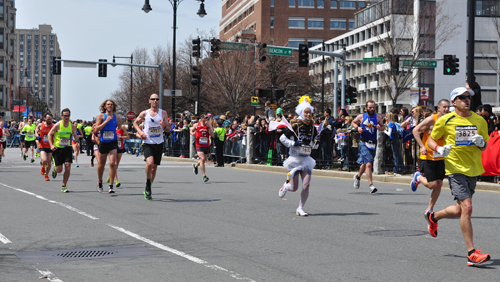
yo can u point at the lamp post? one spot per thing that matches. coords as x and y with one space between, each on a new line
131 74
201 12
11 106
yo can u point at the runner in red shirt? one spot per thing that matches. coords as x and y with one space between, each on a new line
42 132
202 131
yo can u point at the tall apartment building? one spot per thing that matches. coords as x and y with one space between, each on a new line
287 22
35 49
7 60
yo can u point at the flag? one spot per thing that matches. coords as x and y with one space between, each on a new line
273 125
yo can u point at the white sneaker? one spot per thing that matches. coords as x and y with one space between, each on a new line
373 190
356 181
301 212
282 191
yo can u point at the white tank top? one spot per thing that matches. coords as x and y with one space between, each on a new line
153 128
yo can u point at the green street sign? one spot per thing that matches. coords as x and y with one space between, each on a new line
234 46
280 51
373 60
420 63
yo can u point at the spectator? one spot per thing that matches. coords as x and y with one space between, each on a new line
280 148
474 86
393 134
486 112
269 111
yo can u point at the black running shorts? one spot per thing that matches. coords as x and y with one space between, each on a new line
105 148
153 150
63 155
433 170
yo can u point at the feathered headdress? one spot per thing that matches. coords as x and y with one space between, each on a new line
304 102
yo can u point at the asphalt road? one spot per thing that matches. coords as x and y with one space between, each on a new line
233 228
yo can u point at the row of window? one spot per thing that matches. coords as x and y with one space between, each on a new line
321 4
316 23
239 19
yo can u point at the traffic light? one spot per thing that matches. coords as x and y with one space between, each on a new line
447 65
262 51
196 76
56 65
339 97
303 55
351 94
103 68
454 65
279 93
215 47
196 47
395 64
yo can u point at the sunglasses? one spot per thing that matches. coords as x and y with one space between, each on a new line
463 97
66 115
155 99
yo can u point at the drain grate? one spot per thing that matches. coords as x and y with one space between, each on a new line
396 233
85 254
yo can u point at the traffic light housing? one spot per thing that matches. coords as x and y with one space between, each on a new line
339 97
196 47
262 51
303 55
196 75
351 94
279 93
454 65
448 65
56 65
395 64
103 68
214 47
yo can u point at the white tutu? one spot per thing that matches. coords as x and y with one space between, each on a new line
298 163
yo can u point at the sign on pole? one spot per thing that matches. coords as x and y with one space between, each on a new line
234 46
169 92
373 60
130 115
254 101
280 51
420 63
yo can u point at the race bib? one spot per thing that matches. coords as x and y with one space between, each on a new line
155 131
108 135
45 139
30 135
64 142
463 135
203 140
305 150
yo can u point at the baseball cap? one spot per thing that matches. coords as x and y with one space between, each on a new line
459 91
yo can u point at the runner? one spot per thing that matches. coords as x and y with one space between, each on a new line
432 164
76 145
121 134
42 131
22 134
465 134
367 125
95 141
106 124
29 140
202 131
300 140
155 122
59 138
4 132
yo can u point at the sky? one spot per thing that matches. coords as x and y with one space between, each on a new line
89 30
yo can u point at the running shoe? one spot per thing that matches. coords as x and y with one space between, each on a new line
357 181
32 160
107 180
433 226
373 190
25 157
54 174
77 165
37 155
147 193
205 178
282 191
118 184
92 162
111 191
99 186
426 214
47 178
477 258
64 189
42 170
414 182
301 212
195 169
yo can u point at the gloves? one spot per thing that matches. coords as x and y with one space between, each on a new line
297 143
444 151
38 138
478 140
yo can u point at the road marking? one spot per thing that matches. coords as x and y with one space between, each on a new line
48 275
181 254
4 239
51 201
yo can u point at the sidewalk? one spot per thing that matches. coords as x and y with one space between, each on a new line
404 180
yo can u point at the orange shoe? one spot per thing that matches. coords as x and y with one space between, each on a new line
433 225
47 178
42 170
477 258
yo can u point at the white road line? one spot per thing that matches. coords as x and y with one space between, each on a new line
4 239
48 275
51 201
181 254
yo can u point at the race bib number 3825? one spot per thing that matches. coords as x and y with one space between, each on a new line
463 135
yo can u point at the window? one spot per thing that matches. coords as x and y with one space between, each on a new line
337 23
351 23
315 23
272 3
2 10
347 4
1 38
333 4
311 42
1 66
296 22
294 42
321 4
291 3
361 4
272 22
306 3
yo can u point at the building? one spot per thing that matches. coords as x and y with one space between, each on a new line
35 49
7 59
371 26
287 22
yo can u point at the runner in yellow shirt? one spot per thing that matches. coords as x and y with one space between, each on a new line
29 140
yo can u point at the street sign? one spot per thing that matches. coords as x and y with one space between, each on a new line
130 115
373 60
254 101
420 63
168 92
234 46
280 51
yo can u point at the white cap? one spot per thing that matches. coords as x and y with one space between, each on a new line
459 91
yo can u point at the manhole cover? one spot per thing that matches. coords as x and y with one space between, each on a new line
396 233
411 203
87 253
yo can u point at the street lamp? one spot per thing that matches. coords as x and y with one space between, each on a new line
201 11
131 74
11 107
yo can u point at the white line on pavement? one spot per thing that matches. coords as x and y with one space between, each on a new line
181 254
51 201
4 239
48 275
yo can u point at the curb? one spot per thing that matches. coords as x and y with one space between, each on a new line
404 180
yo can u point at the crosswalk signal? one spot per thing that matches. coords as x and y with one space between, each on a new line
262 51
303 55
196 47
196 75
454 65
56 65
448 65
103 68
215 47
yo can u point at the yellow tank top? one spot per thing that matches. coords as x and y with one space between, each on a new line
63 136
430 152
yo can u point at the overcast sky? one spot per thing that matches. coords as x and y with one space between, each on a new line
90 30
